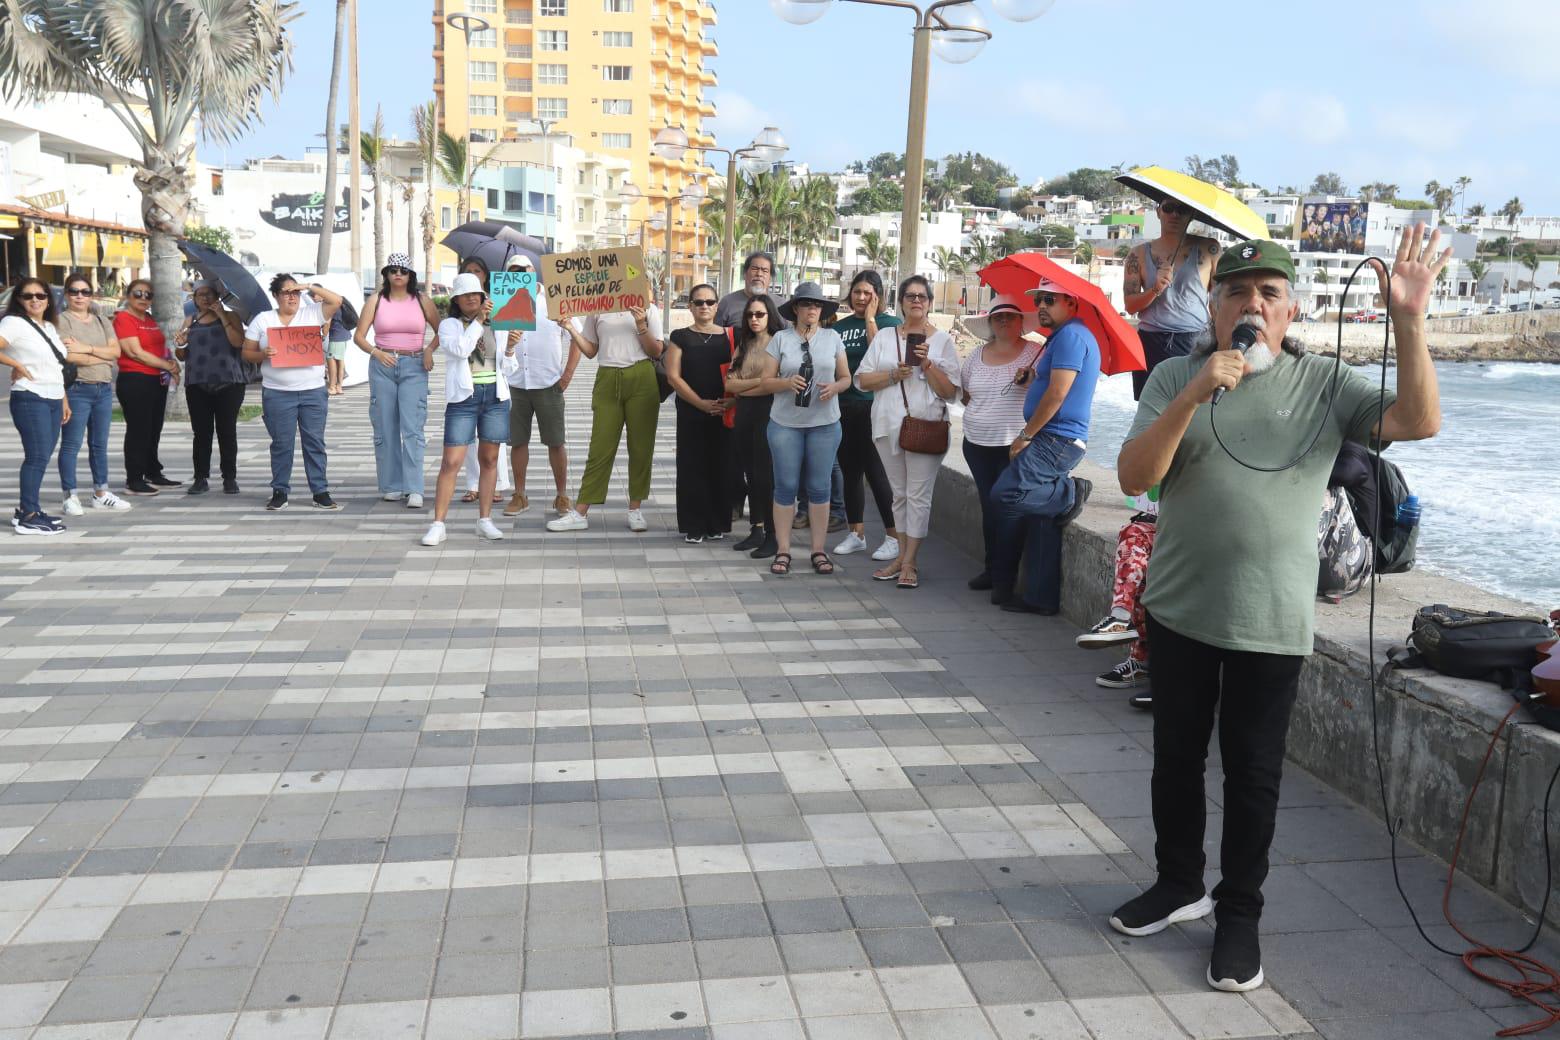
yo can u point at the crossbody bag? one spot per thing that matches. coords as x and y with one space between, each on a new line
67 368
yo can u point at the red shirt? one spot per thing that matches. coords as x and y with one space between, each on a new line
150 335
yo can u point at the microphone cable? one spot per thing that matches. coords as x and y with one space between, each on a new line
1526 977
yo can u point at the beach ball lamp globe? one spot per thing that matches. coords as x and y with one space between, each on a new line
800 12
770 144
1022 10
627 189
671 143
754 165
961 35
692 196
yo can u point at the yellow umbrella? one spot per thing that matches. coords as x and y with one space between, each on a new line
1211 205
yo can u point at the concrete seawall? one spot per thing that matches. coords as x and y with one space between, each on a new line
1433 729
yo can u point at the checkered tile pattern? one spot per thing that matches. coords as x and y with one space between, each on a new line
295 777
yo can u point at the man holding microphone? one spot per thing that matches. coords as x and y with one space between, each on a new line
1231 584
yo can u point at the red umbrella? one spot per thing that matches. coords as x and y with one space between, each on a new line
1120 348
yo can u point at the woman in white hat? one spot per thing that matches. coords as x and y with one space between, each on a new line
992 381
476 396
399 314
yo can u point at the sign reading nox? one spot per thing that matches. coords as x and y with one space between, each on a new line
597 281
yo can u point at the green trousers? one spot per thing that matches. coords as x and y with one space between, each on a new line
621 397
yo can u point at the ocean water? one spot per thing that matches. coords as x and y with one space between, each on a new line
1489 484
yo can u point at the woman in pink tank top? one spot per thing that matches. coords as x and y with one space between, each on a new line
399 317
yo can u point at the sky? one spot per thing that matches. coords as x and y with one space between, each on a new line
1402 92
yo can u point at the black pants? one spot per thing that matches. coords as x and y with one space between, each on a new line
1191 679
703 446
752 451
215 407
144 401
861 464
1157 347
986 465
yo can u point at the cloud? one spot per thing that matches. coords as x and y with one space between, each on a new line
1514 37
736 117
1080 108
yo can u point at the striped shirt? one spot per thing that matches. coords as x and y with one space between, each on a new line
994 418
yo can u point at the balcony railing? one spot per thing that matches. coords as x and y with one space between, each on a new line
517 86
514 17
522 50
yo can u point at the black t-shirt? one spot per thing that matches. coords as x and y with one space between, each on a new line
702 356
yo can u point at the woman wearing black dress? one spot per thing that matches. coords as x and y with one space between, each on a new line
694 360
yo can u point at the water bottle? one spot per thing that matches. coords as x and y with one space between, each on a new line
804 396
1408 512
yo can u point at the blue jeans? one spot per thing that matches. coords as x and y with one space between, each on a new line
1027 498
91 407
986 465
837 489
292 415
480 417
398 409
804 458
37 422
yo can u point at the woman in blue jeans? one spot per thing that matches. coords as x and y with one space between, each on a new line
804 420
92 346
31 348
400 315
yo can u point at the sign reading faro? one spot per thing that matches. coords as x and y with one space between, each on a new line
304 213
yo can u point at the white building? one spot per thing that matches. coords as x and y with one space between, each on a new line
844 256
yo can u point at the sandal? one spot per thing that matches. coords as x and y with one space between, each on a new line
821 564
470 496
878 575
781 565
909 578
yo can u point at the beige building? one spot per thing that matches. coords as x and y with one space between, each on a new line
607 73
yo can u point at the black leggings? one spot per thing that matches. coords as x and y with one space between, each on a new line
752 435
214 408
861 464
143 399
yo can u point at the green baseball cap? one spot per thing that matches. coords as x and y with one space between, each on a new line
1255 255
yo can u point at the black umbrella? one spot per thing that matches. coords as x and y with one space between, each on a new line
235 286
494 242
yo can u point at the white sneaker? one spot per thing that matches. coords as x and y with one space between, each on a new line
414 502
109 500
435 535
636 521
889 550
71 506
486 528
393 496
570 521
853 543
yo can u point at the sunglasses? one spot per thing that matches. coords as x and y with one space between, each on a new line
33 296
703 303
398 270
762 315
915 297
290 292
78 292
141 294
1173 209
1046 299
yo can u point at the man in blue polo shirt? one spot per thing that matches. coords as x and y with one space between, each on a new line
1037 495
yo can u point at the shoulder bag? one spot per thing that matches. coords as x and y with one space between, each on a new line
67 368
920 436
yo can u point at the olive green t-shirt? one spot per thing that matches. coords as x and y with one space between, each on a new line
1234 560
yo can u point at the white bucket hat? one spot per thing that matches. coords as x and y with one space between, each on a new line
466 283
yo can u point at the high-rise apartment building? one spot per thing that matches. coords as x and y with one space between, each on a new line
608 74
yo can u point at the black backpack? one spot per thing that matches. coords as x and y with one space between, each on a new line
1473 644
1355 470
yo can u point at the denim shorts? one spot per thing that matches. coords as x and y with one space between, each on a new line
803 460
480 417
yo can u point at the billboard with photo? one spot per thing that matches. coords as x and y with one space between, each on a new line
1332 227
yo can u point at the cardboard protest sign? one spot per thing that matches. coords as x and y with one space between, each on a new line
596 281
297 346
514 302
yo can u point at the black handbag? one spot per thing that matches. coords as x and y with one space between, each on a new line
1473 644
67 368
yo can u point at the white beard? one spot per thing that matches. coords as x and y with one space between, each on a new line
1259 358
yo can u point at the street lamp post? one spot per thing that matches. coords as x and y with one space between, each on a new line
690 197
671 143
960 34
467 24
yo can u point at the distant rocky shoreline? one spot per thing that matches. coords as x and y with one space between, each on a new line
1539 349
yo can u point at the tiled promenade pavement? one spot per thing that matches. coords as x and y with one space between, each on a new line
293 776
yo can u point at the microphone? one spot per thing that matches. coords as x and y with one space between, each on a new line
1243 339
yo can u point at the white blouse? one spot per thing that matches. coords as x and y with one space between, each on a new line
888 405
618 338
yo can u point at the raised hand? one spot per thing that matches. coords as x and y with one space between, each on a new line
1418 263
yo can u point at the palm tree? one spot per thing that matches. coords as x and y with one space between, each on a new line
1512 210
1441 196
947 262
1475 210
1462 184
1477 269
873 249
814 213
1527 256
459 168
328 225
372 146
425 120
155 65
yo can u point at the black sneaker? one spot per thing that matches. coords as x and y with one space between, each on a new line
324 501
981 582
140 487
38 524
1082 489
693 539
754 539
16 517
229 486
1236 964
1108 631
1141 701
199 486
162 481
278 501
1158 909
1124 676
767 548
1018 606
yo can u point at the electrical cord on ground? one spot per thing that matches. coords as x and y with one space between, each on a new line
1531 979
